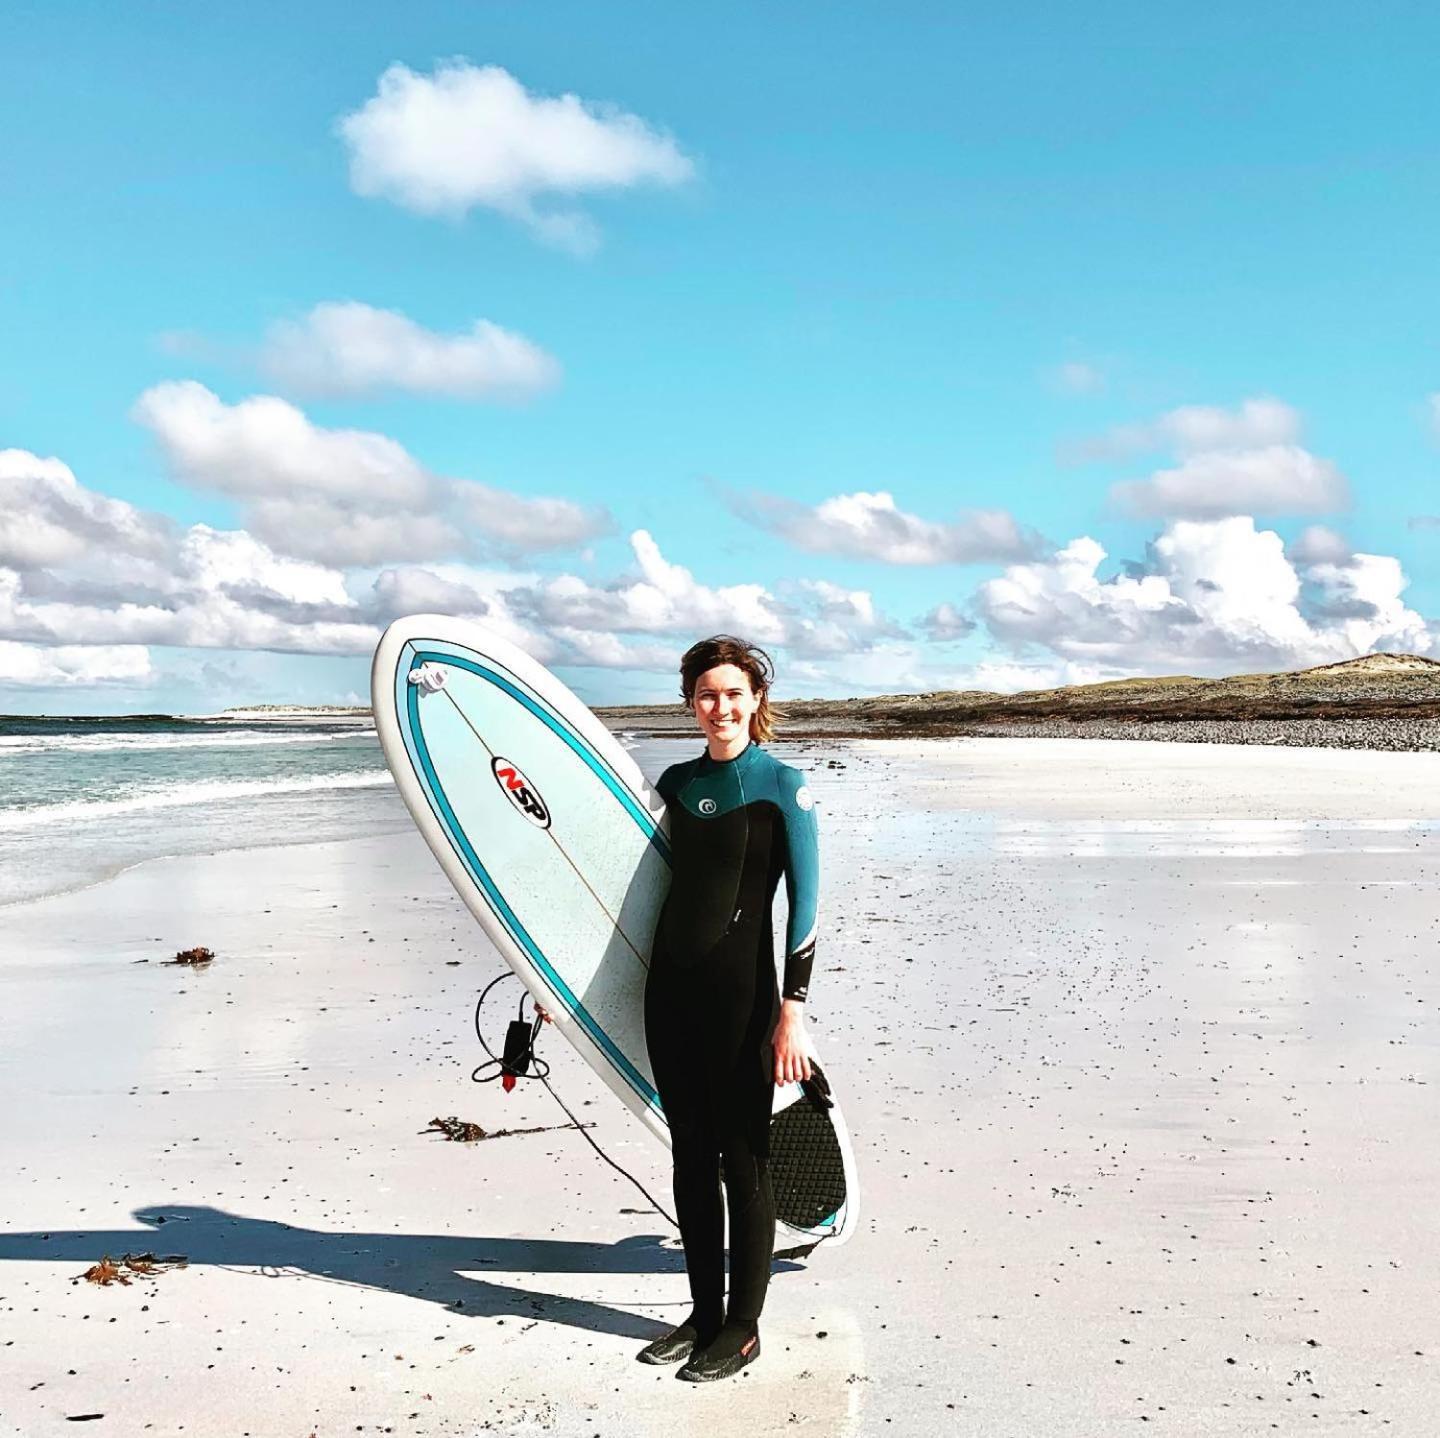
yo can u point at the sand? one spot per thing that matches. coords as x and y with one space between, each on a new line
1137 1044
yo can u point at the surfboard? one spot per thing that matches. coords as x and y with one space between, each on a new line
558 846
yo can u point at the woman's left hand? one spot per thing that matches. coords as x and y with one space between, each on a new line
792 1044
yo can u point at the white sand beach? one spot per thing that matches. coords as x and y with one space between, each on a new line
1137 1042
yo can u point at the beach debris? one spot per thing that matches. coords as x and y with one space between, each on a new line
194 956
462 1131
146 1265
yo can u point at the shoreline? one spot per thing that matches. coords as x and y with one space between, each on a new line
1378 735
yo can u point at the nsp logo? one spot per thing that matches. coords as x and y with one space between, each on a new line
520 792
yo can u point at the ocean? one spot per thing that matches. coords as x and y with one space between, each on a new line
83 798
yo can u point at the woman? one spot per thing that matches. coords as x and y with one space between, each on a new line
719 1035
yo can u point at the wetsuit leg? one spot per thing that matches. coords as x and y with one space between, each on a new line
695 1148
709 1029
744 1140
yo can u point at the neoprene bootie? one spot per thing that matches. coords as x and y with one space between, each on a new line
737 1347
677 1345
673 1347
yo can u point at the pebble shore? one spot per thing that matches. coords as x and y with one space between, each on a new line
1409 735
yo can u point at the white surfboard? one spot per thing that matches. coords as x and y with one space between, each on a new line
558 846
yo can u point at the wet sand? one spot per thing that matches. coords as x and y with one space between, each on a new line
1137 1043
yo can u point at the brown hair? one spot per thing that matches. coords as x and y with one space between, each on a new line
757 665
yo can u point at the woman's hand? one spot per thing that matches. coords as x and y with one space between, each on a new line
543 1013
792 1044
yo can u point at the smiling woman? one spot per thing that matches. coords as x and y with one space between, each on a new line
718 1034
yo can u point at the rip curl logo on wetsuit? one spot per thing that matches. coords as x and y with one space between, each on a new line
804 798
706 807
520 792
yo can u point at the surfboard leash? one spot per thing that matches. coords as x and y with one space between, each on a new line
518 1060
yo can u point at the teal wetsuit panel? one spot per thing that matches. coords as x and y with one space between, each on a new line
735 827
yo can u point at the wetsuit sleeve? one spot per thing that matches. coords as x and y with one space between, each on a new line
802 882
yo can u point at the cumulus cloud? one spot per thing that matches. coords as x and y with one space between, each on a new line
47 518
72 665
823 618
79 570
872 526
1197 429
1211 594
354 349
659 597
525 525
945 622
1279 479
88 584
344 496
1245 460
1000 676
1318 545
265 446
471 136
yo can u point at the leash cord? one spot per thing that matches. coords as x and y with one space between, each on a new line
527 1064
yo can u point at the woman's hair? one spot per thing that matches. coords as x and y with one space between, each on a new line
757 665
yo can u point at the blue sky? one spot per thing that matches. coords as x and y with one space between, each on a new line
855 330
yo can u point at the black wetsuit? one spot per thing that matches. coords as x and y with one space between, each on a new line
711 1006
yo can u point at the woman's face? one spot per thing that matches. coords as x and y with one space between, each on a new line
724 702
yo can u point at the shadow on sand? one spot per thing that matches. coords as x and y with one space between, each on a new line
437 1268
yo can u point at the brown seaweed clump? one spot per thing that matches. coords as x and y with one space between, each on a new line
462 1131
194 957
456 1130
146 1265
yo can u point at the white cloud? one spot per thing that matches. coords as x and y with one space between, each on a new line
1280 479
1241 461
528 525
1316 544
110 580
348 534
945 622
344 496
1211 595
218 559
440 589
354 349
806 617
1198 429
471 136
1432 403
1359 601
608 651
999 676
265 446
872 526
47 518
72 665
662 598
824 618
81 571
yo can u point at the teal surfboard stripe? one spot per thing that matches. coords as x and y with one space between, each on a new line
592 760
477 870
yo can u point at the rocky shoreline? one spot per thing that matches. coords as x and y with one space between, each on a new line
1380 701
1408 735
